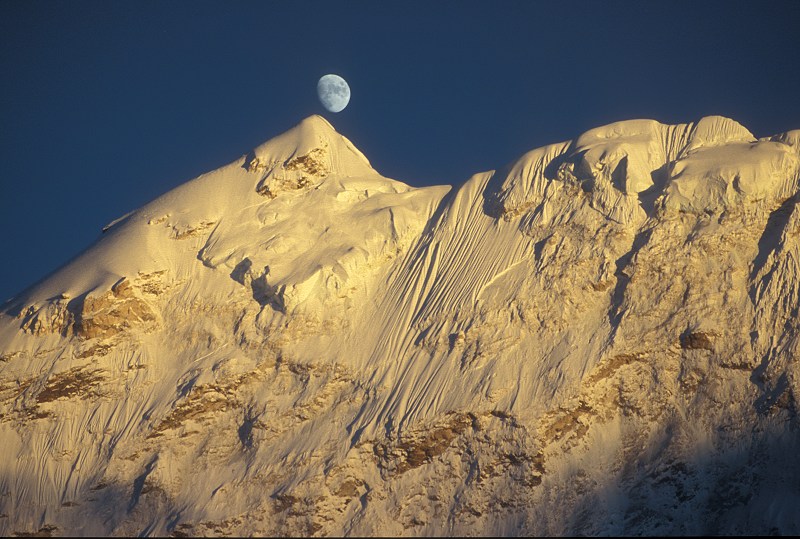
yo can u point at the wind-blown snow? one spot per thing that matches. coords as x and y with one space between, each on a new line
598 339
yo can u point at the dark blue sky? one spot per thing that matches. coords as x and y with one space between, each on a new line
106 105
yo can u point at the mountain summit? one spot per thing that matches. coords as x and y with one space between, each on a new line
599 338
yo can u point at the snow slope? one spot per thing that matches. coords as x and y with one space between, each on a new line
599 338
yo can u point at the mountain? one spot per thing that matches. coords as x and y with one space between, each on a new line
600 338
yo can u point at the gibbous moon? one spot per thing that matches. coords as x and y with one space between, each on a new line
333 92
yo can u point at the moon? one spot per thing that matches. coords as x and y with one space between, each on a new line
333 92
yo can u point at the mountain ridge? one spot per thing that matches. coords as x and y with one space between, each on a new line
546 348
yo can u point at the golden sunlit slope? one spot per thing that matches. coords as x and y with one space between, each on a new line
598 339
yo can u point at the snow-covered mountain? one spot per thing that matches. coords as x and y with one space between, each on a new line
601 338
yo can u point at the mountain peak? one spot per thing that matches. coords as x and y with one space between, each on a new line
315 121
293 344
312 136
